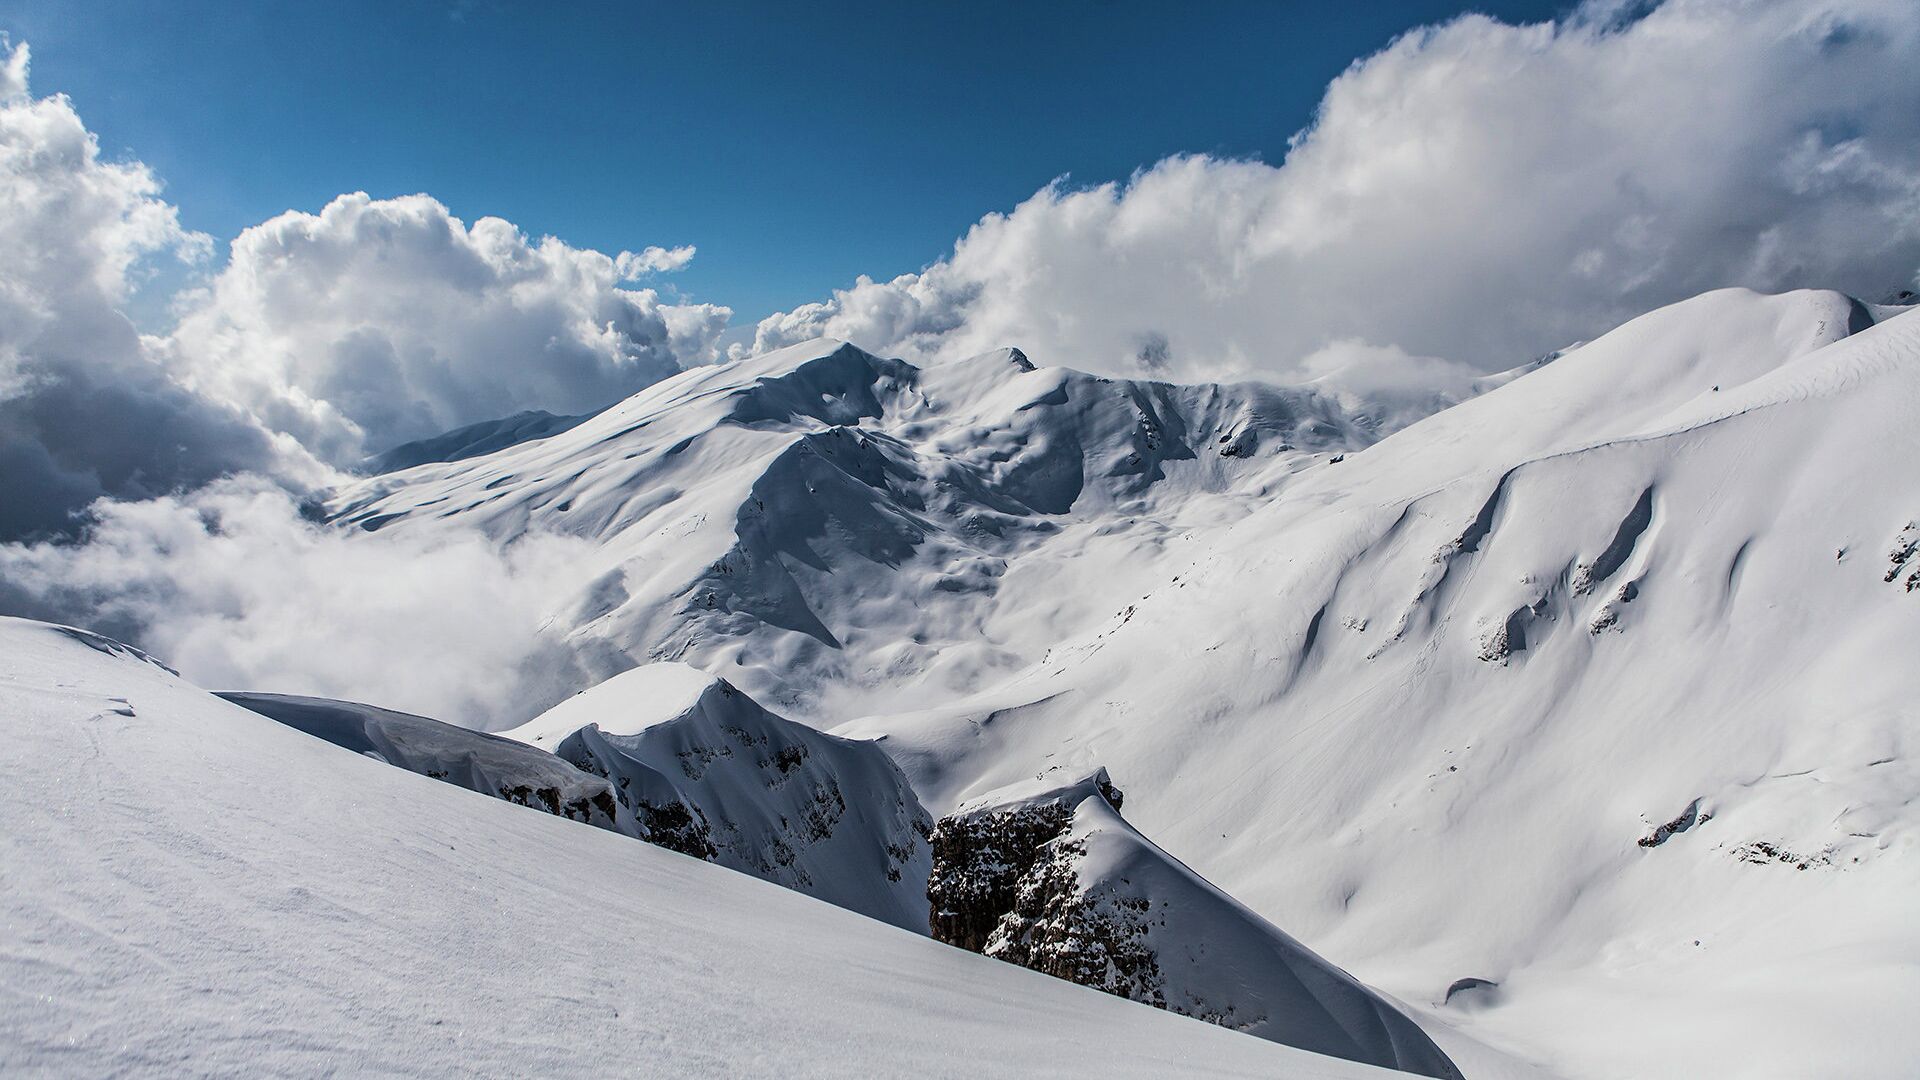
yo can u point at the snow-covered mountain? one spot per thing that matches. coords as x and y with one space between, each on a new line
1049 876
191 888
708 772
1439 700
680 759
1045 876
1598 687
473 440
838 532
1573 713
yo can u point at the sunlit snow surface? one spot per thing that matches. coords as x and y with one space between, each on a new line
829 817
839 533
1418 706
193 889
1422 708
1591 700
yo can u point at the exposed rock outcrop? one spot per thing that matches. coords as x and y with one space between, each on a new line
1052 878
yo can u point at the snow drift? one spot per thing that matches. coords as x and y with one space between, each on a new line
488 764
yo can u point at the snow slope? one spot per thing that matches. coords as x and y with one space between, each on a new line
820 519
194 889
1598 687
671 755
488 764
473 440
712 774
1579 716
1050 876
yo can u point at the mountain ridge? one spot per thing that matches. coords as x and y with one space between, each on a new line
1468 668
741 508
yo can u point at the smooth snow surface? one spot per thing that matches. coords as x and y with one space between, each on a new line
486 437
626 704
193 889
488 764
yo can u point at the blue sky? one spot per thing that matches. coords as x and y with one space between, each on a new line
796 145
1467 200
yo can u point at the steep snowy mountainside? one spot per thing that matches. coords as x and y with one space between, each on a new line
473 440
192 888
838 531
1621 384
680 759
674 756
1597 688
488 764
1049 876
1387 405
708 772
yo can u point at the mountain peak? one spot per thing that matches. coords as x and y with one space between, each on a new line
625 704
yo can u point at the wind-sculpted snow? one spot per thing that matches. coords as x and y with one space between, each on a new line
488 764
191 888
821 518
1050 876
681 760
705 770
1424 707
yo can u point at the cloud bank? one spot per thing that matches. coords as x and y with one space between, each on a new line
380 321
1471 196
85 412
1476 191
323 335
232 585
324 338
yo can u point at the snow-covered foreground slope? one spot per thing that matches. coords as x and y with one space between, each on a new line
1433 707
1050 876
839 532
193 889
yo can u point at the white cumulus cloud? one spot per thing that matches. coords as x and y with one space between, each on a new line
235 587
1475 191
85 411
379 321
164 475
324 338
653 260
